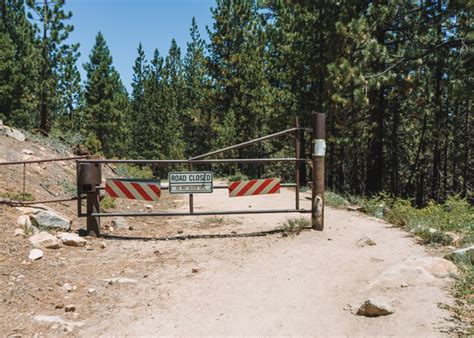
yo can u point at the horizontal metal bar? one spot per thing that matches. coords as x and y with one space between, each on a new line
244 144
165 187
39 202
198 213
224 160
44 160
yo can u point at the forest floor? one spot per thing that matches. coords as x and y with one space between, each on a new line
128 283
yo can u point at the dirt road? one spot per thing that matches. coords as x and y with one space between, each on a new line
302 285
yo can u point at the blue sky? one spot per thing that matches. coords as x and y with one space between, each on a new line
125 23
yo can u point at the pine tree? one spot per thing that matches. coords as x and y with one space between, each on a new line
18 66
52 31
197 120
106 102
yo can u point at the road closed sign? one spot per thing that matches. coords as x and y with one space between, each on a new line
190 182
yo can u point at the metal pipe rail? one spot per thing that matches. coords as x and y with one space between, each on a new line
44 160
224 160
197 213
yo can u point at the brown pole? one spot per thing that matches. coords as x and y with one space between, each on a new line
191 197
297 164
24 178
93 206
318 153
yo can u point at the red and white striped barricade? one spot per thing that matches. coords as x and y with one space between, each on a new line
134 189
254 187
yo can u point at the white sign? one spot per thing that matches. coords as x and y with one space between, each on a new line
190 182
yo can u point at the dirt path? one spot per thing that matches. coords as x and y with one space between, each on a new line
301 285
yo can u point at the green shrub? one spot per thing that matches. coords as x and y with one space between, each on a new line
293 226
107 203
133 171
238 176
335 200
17 196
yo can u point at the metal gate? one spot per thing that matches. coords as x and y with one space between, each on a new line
89 179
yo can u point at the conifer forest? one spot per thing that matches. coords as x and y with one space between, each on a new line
394 78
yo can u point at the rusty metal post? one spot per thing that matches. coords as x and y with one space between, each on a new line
297 164
24 179
191 196
317 159
93 206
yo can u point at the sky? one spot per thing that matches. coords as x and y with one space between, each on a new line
126 23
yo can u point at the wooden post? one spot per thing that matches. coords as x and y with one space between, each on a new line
318 153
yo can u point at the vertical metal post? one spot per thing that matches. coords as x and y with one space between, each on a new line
297 164
93 206
24 179
191 197
318 153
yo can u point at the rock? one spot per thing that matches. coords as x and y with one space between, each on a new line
91 291
50 219
19 232
13 133
194 270
130 228
59 306
462 254
24 221
71 239
148 206
354 208
27 152
374 307
119 280
69 326
120 223
67 287
365 241
102 245
69 308
35 254
45 240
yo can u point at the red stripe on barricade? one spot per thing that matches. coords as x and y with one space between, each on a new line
234 185
262 186
110 191
142 192
246 188
275 188
155 189
124 189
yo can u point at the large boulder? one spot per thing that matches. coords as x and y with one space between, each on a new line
10 132
45 240
49 219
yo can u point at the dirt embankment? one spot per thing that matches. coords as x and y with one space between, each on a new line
310 284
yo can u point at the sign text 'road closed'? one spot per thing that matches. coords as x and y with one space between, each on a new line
190 182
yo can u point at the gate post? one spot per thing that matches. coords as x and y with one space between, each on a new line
89 177
317 159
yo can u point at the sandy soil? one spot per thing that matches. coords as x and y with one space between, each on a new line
274 285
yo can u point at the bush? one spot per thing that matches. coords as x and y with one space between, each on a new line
107 203
335 200
132 171
293 226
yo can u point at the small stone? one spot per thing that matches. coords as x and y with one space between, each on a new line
69 308
35 254
329 239
404 285
102 245
45 240
365 241
130 227
27 152
375 307
119 280
24 221
120 223
194 270
148 206
59 306
91 291
71 239
19 232
180 231
67 287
